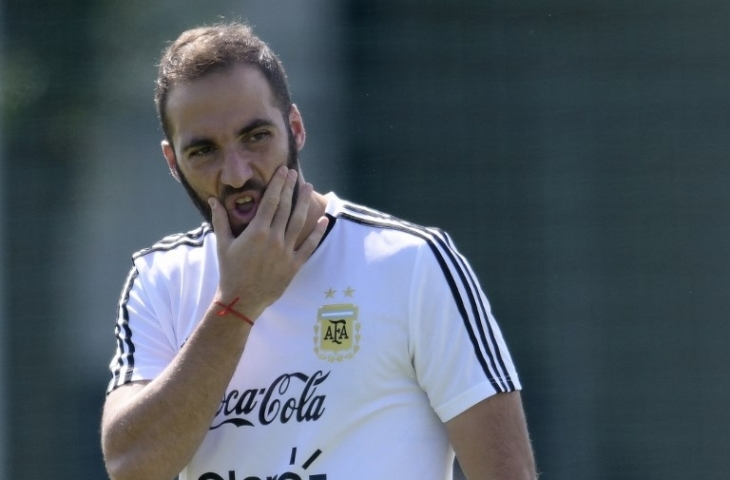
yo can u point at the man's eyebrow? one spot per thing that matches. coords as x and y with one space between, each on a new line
254 124
194 143
246 129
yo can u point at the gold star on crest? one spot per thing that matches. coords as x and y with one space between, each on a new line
329 293
349 292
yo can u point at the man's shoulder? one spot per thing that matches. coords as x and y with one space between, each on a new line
357 214
193 239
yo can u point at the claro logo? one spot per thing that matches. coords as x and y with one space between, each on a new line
292 396
282 476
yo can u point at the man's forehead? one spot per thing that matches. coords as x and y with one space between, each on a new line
236 80
236 95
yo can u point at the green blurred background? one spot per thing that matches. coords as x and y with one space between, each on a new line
576 151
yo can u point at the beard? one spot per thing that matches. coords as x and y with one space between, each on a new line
201 203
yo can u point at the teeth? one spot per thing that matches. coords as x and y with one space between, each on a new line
244 199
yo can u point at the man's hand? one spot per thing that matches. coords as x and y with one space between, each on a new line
258 265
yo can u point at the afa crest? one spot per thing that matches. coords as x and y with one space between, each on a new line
337 332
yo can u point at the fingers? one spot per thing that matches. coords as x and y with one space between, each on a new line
275 214
283 211
221 226
286 222
299 215
272 198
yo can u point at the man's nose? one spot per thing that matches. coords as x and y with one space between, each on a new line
236 169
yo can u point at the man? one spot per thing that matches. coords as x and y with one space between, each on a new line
295 335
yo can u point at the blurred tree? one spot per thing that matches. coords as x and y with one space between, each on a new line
48 69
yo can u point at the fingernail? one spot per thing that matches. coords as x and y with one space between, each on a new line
211 202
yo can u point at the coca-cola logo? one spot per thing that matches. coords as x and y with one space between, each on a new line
291 396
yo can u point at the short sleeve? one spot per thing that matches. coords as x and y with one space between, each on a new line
457 347
144 345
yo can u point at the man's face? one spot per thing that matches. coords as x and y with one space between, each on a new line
228 139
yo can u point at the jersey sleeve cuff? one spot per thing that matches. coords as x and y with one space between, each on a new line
468 399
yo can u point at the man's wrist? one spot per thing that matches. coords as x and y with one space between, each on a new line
228 309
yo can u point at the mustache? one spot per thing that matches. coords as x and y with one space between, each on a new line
251 184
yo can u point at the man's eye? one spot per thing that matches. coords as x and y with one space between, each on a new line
259 136
199 152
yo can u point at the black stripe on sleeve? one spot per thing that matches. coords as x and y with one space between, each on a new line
122 365
463 286
193 238
479 305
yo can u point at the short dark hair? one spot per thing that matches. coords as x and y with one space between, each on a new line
204 50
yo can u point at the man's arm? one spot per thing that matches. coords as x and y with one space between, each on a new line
152 430
491 440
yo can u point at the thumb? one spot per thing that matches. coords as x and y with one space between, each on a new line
219 219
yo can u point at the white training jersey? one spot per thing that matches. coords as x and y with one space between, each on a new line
381 337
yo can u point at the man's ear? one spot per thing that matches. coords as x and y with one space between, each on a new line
297 126
169 154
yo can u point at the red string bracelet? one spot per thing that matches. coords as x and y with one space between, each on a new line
229 309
